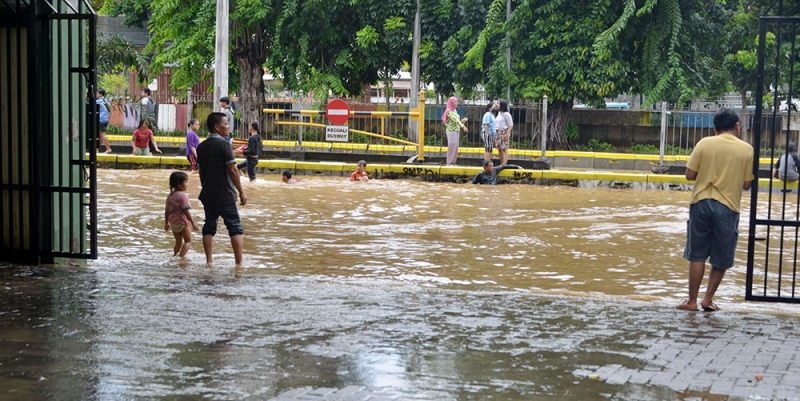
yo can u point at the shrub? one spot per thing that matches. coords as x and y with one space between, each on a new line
640 148
595 145
677 150
572 132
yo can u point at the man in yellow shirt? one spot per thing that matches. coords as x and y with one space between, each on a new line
721 166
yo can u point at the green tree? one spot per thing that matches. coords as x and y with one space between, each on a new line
385 38
449 29
313 49
553 54
183 38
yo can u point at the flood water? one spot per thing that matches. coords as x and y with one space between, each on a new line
426 290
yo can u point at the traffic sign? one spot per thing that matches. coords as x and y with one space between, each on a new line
337 112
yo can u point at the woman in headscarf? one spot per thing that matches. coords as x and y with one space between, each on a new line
452 123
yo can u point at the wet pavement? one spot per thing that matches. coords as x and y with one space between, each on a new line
177 333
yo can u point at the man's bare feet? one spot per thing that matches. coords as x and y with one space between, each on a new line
685 305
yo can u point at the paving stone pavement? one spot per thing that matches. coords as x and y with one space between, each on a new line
686 356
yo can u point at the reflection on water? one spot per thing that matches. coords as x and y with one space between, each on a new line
423 291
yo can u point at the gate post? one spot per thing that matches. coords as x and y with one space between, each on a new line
544 127
421 132
663 141
189 105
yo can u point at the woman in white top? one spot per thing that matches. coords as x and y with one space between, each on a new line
504 123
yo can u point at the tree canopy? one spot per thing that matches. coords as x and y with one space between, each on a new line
591 50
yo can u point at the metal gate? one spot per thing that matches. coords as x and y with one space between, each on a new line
48 183
772 258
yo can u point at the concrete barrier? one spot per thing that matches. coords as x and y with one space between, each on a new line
613 161
582 160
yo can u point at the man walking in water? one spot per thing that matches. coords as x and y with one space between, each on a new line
219 178
721 166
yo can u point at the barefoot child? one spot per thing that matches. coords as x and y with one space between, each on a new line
177 215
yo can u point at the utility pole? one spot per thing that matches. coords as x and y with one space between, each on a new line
221 56
414 95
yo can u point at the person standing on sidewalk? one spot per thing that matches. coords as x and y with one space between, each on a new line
219 179
453 123
103 118
225 105
192 141
488 131
721 166
503 125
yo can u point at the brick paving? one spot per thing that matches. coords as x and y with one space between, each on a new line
665 354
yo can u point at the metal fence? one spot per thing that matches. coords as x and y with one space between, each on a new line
527 123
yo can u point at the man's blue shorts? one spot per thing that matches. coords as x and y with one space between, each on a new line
712 231
230 215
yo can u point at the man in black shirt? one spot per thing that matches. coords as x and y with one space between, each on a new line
489 174
219 178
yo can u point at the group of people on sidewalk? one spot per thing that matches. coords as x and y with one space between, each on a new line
496 127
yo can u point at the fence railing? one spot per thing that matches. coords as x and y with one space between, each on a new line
396 123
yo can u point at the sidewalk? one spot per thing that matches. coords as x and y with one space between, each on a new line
619 352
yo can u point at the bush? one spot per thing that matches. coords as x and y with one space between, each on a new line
596 146
433 140
114 130
312 135
572 132
397 134
526 144
640 148
676 150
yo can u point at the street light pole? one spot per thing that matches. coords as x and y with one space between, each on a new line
414 95
221 55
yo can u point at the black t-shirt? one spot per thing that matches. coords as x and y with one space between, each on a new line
254 146
213 157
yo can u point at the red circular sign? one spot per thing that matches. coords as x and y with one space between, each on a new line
338 112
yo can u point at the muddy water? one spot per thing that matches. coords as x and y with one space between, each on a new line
563 240
411 290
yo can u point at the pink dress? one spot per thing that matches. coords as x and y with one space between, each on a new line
177 202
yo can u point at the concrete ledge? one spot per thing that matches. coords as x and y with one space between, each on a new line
389 150
614 161
349 148
330 169
438 173
316 146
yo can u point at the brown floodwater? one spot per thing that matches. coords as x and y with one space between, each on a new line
593 242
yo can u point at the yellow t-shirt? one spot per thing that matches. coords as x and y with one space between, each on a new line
723 164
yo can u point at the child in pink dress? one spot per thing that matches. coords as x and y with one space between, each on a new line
177 215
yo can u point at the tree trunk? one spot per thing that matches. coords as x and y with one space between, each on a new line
743 126
251 95
559 115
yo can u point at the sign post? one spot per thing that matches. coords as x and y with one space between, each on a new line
337 112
